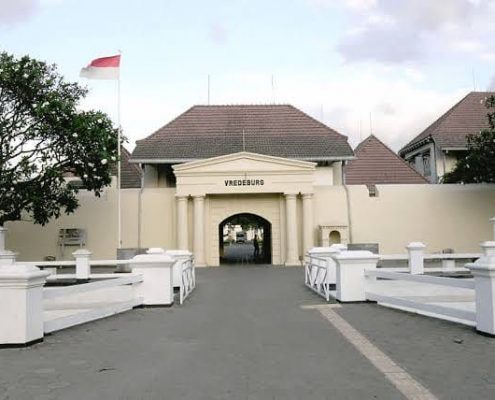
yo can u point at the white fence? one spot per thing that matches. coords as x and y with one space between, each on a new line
468 300
94 296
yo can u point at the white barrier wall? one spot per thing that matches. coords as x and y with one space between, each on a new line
440 216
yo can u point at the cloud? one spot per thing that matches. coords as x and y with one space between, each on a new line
219 33
17 11
491 85
14 12
392 32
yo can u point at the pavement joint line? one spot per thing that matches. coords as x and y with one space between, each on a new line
319 306
405 383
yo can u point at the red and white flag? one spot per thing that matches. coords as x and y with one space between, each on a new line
102 68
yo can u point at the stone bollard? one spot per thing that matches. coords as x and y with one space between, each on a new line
7 257
328 253
351 278
181 256
488 248
156 267
83 268
416 251
483 271
21 304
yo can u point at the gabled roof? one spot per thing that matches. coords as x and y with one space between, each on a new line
210 131
468 116
375 163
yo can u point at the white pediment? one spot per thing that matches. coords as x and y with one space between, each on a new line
244 162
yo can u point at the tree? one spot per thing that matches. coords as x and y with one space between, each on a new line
44 139
478 166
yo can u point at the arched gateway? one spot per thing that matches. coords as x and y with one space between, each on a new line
245 238
276 190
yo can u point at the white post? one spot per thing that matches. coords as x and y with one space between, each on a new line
21 304
492 220
83 269
416 251
2 238
156 268
181 256
448 264
483 271
351 278
7 257
488 248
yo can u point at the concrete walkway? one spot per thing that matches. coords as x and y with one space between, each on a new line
244 335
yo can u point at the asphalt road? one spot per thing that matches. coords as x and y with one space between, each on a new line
243 335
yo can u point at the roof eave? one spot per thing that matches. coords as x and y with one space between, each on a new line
415 145
184 160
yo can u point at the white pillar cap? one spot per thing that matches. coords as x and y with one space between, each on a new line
155 250
82 253
357 255
21 276
415 246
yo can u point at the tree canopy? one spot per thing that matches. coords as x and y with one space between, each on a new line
44 138
478 166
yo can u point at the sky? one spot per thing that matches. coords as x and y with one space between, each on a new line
390 67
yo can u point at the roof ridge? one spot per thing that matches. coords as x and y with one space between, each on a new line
389 150
318 122
167 124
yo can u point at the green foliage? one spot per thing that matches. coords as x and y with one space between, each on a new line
478 166
44 138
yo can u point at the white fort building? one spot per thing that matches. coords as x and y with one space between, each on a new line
280 170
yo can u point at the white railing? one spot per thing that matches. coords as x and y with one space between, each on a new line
448 261
315 275
98 306
468 300
406 302
188 281
93 296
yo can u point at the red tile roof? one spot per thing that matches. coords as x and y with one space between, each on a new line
449 131
209 131
375 163
130 174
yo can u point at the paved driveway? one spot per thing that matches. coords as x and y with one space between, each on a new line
244 335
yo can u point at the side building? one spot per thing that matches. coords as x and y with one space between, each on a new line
435 151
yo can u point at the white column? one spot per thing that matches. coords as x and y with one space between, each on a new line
83 269
291 224
308 232
199 230
483 271
351 279
416 251
492 220
182 223
21 305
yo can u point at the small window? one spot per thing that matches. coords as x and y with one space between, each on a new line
372 190
427 164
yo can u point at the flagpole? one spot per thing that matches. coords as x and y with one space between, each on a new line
119 211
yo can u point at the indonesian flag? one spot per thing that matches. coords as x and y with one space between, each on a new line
102 68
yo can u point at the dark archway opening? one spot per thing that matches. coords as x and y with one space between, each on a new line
245 239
